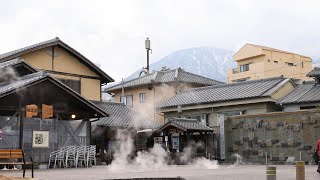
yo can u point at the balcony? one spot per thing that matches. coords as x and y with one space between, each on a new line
235 71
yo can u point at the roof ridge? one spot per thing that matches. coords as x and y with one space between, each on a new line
301 95
232 84
201 76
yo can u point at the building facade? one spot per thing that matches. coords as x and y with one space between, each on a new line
205 104
64 63
258 62
142 94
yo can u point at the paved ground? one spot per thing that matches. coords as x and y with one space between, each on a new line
241 172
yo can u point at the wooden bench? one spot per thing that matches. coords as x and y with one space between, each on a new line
15 157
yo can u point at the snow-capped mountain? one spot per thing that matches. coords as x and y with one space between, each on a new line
205 61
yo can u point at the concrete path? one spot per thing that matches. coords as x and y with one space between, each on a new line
241 172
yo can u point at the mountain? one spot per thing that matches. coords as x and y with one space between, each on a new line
315 61
205 61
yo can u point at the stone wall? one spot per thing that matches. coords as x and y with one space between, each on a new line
279 134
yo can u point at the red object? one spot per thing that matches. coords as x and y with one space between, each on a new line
318 147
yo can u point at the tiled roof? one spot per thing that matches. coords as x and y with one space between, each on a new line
175 75
303 93
121 115
16 62
315 72
186 125
226 92
11 86
52 42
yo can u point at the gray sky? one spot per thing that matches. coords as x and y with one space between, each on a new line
112 33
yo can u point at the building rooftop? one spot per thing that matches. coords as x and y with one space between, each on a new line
123 116
56 42
186 125
274 49
175 75
304 93
225 92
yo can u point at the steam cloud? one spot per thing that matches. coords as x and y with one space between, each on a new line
154 159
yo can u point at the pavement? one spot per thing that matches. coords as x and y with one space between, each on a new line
222 172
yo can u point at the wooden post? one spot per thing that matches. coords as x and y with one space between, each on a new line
300 171
206 138
271 173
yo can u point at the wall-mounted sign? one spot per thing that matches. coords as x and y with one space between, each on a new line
158 140
175 141
172 131
31 111
47 111
40 139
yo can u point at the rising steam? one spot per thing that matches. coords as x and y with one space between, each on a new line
154 159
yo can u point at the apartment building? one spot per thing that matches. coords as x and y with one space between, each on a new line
258 62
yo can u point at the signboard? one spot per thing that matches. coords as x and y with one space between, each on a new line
47 111
1 134
40 139
31 111
222 136
158 140
172 131
175 141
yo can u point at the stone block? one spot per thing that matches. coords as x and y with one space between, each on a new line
251 136
246 152
245 139
230 149
274 158
296 144
282 157
245 127
296 128
273 126
237 142
235 148
261 141
269 143
316 126
304 147
290 142
274 141
313 120
260 153
280 124
254 152
235 126
265 125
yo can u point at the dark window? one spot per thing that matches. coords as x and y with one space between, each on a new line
289 64
268 60
308 107
127 100
302 64
275 62
203 119
244 67
73 84
142 97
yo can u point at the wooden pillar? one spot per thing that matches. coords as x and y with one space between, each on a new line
21 118
206 139
103 144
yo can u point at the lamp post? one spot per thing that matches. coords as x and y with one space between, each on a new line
148 48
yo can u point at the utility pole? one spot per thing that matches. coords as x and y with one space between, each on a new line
148 48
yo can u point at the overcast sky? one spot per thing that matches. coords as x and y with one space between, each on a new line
112 33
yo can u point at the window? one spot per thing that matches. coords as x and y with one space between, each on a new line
142 97
127 100
302 64
73 84
268 60
201 118
241 80
307 107
244 67
289 64
275 62
233 113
